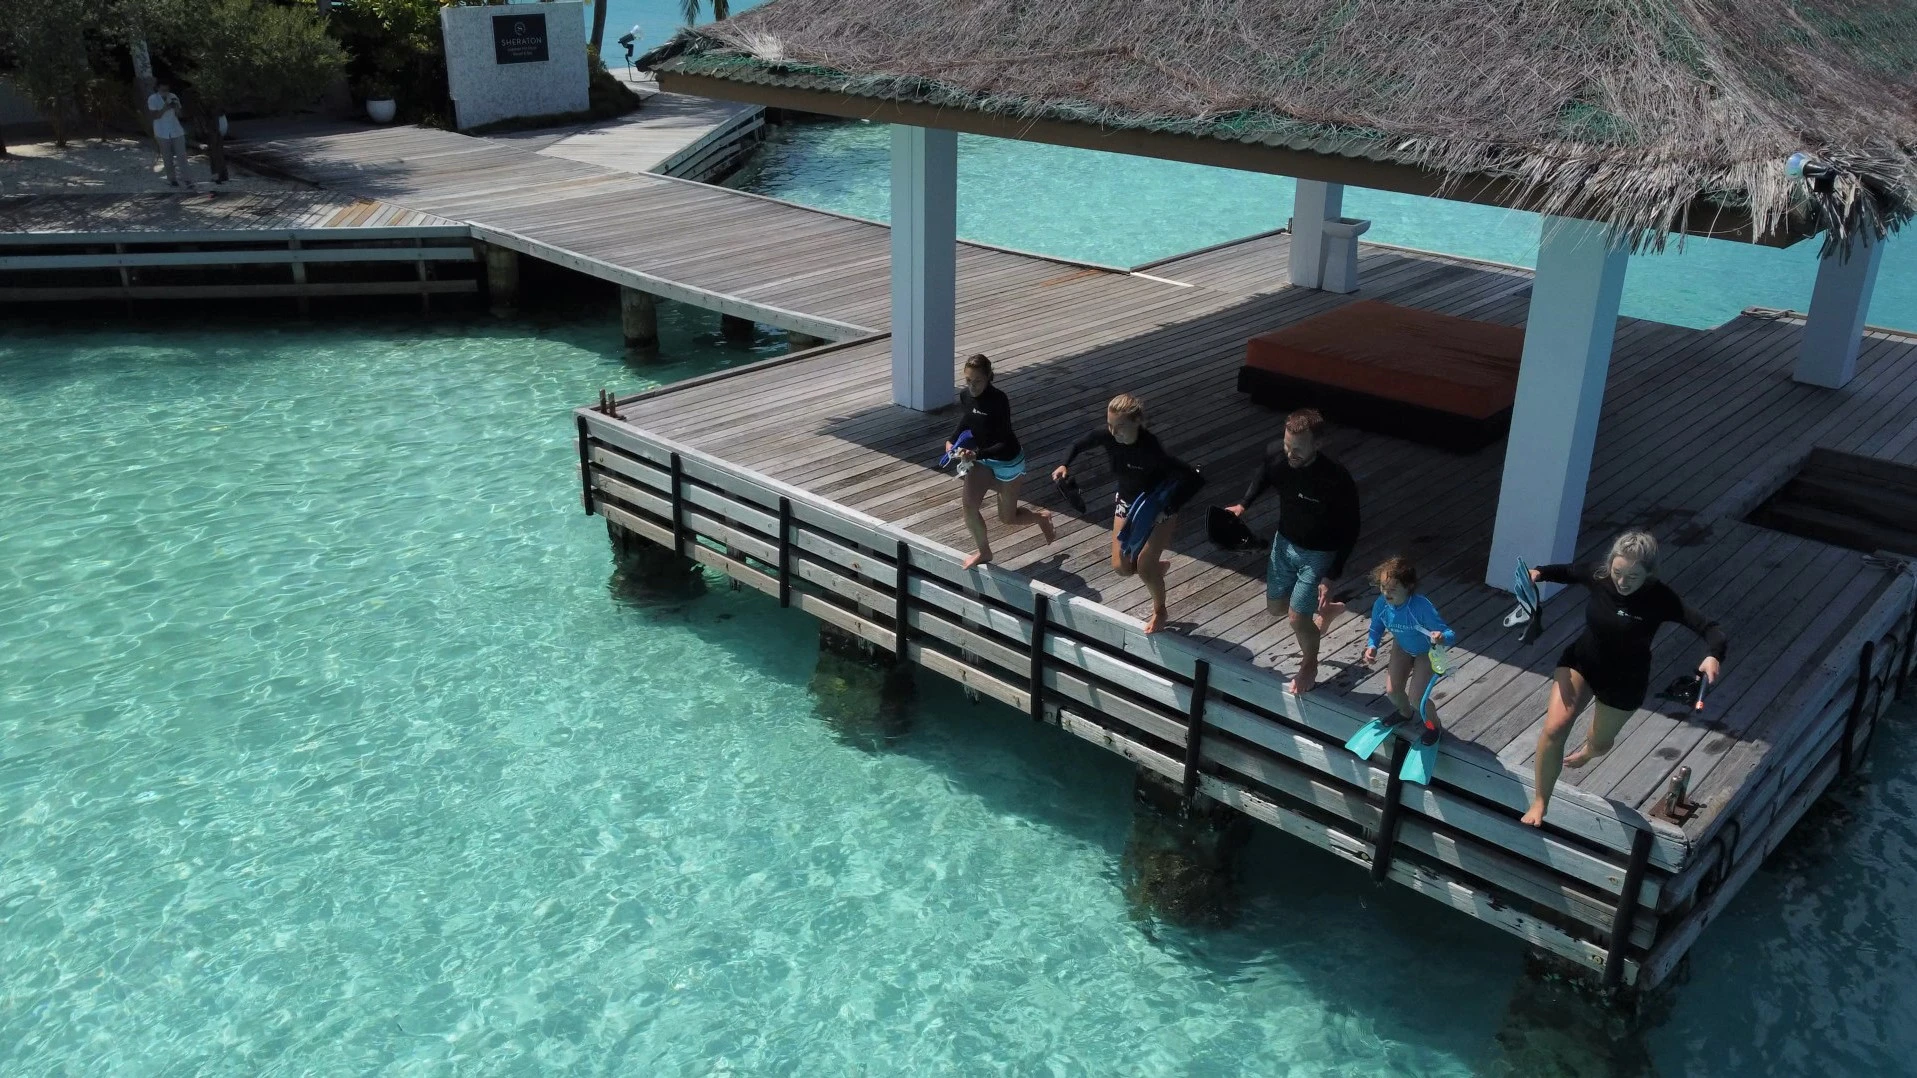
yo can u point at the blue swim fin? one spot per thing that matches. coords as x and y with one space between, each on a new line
1528 615
1140 518
964 439
1421 759
1372 734
1424 741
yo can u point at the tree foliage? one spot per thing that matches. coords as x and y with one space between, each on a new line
721 10
396 44
244 52
46 46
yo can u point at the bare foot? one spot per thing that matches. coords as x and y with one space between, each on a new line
976 560
1045 525
1306 680
1156 621
1535 817
1579 758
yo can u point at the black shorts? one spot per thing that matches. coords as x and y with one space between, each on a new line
1619 683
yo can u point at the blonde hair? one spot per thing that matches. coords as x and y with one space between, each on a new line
1640 547
1126 406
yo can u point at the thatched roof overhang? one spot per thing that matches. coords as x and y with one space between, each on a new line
1656 117
1705 217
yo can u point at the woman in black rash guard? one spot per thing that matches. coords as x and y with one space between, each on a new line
1612 659
997 460
1138 464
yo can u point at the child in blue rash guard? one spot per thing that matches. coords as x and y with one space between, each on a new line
1415 628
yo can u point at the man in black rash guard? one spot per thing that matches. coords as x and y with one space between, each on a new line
1139 463
1611 659
997 460
1317 527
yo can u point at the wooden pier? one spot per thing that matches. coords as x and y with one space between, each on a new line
206 245
800 478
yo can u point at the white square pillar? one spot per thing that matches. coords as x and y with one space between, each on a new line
1315 203
1834 331
924 266
1567 354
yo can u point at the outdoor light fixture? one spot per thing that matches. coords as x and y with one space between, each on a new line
1821 176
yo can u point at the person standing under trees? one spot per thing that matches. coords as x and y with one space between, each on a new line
163 108
1317 527
993 459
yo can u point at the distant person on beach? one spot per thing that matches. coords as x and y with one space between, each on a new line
1317 527
990 459
163 108
1140 466
1611 660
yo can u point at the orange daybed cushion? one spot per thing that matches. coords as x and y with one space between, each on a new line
1434 361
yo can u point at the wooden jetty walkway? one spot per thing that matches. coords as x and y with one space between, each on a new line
56 247
799 477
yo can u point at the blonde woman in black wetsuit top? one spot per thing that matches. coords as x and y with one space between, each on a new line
997 460
1612 659
1138 464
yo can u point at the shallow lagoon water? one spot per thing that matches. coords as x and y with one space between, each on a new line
324 750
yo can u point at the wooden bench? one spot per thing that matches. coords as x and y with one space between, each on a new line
1420 375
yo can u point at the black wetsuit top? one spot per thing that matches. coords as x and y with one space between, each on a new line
1137 467
989 417
1317 504
1614 651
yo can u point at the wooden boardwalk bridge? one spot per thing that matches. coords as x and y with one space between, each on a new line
799 477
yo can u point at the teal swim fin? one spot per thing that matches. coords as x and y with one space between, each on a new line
1372 734
1421 759
1424 740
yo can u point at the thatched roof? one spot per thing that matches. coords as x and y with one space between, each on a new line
1633 112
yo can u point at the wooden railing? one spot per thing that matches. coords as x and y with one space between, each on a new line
1216 725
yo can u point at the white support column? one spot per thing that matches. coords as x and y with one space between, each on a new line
1316 203
924 266
1567 354
1834 331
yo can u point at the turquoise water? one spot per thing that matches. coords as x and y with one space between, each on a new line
1123 211
327 750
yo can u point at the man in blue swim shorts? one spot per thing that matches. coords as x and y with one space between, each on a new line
1317 527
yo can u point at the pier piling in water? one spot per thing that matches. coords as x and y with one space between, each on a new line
1181 859
639 319
502 278
735 329
863 694
646 571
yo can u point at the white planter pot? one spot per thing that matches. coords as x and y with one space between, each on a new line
381 111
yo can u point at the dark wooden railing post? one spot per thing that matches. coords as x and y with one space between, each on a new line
1626 914
678 506
1847 753
585 463
785 552
1195 729
901 598
1386 845
1041 613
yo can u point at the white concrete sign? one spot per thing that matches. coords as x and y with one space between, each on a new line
504 61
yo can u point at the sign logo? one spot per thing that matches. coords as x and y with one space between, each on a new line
519 39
